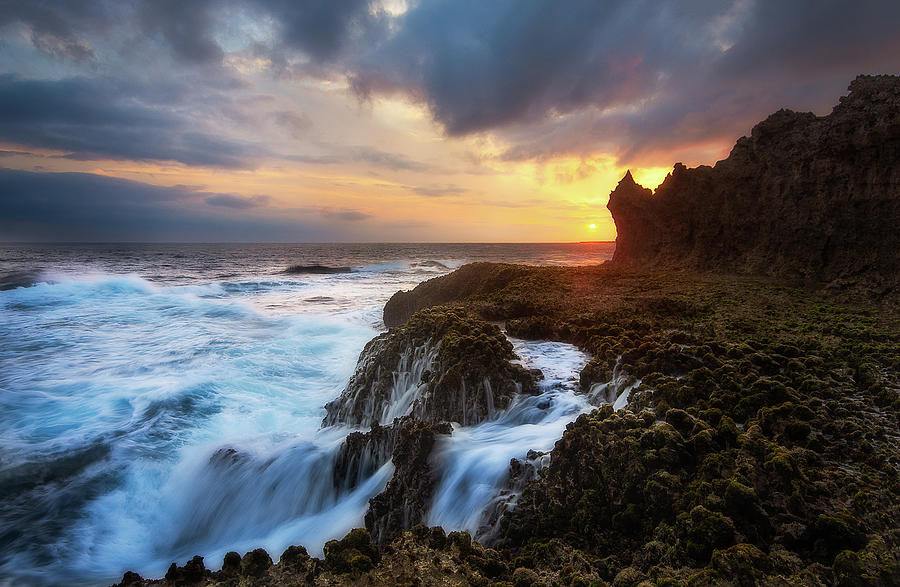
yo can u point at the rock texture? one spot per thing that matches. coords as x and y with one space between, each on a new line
816 198
420 556
363 453
521 473
408 444
442 366
404 502
467 281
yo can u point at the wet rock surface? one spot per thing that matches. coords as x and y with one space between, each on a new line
404 502
443 365
521 473
816 198
362 453
467 281
408 444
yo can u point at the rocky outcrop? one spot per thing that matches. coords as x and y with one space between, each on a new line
363 453
404 502
816 198
442 366
408 445
420 556
467 281
521 473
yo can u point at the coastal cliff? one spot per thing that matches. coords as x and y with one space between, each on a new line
759 446
815 198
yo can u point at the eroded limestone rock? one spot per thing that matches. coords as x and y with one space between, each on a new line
814 198
444 365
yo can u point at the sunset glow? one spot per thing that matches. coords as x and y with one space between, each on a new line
246 130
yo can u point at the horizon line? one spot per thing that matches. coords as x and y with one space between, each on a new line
6 243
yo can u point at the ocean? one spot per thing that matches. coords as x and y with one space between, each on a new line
127 370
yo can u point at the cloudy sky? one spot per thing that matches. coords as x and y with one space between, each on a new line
392 120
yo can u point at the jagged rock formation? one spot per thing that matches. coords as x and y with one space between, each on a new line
363 453
442 366
521 473
405 500
408 444
816 198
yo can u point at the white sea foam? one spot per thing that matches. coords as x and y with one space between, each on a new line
122 398
474 461
145 383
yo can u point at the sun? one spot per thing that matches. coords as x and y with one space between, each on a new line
592 226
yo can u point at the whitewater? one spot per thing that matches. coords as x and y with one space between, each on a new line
162 401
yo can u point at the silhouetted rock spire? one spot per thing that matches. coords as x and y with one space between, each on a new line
802 197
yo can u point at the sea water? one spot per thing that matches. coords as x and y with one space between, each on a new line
162 401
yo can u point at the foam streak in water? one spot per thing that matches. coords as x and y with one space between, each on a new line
475 460
115 394
129 374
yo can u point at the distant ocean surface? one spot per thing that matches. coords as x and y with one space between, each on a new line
125 367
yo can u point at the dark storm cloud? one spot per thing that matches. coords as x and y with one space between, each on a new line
318 28
103 118
58 28
187 27
68 28
88 207
480 65
651 74
622 76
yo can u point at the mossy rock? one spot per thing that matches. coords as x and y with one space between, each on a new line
353 553
255 563
744 564
702 531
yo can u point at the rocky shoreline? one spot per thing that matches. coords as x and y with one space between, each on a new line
759 446
748 401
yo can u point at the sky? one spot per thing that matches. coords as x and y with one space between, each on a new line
392 120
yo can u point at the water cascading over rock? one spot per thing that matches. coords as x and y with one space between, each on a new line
442 366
